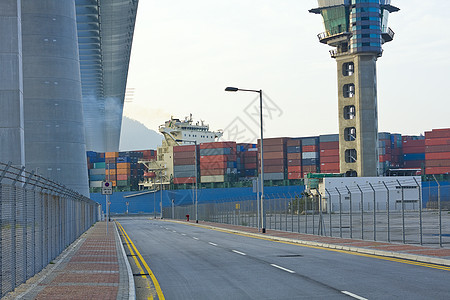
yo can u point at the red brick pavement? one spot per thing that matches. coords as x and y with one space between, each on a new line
92 271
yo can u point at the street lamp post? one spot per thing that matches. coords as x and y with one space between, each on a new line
263 215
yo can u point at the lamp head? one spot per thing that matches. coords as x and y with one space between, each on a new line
231 89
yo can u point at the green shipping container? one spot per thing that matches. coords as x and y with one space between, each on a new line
100 165
123 182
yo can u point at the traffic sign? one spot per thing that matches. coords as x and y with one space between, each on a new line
107 188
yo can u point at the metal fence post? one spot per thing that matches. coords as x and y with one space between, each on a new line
420 211
362 212
329 211
403 213
374 213
440 211
351 212
388 213
340 212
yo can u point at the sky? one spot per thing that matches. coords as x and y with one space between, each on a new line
186 52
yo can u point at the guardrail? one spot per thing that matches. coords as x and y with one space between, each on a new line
39 218
381 212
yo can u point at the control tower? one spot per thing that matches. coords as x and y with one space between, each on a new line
356 29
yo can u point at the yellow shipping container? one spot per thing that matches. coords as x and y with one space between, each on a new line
110 172
123 166
111 154
123 171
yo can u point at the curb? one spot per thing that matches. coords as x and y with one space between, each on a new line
412 257
131 287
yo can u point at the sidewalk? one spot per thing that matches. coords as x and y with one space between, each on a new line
417 253
93 267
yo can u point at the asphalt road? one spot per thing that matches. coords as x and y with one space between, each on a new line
197 263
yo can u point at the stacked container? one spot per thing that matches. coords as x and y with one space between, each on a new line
294 158
247 160
184 164
413 152
96 169
310 155
329 153
396 150
110 167
218 162
123 171
274 158
437 151
384 152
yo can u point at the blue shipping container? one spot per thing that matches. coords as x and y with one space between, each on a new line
294 149
413 156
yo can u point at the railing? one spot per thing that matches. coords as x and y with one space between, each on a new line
389 211
39 218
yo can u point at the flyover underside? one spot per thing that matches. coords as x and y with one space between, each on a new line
105 36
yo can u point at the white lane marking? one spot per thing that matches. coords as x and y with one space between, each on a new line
183 234
281 268
239 252
212 243
173 231
195 238
353 295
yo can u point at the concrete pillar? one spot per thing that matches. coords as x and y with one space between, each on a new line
365 121
11 84
54 128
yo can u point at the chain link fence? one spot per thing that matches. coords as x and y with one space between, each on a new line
39 218
388 211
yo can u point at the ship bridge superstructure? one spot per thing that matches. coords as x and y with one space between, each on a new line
105 35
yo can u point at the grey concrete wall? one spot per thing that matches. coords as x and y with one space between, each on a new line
11 84
54 128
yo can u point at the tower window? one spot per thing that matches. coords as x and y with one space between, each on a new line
349 112
350 133
350 155
349 90
348 68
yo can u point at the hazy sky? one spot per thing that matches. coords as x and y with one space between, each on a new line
186 52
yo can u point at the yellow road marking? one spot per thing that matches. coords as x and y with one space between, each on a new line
152 276
399 260
141 270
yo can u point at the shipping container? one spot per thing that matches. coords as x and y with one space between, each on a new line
185 154
184 174
184 180
437 141
273 176
329 152
310 155
183 161
410 150
111 155
438 133
97 172
329 159
310 141
183 168
294 142
310 148
214 165
184 148
123 171
273 155
294 149
310 162
250 166
414 164
294 169
215 158
212 172
274 162
294 175
122 177
215 178
438 155
437 170
437 163
217 151
329 146
274 169
294 156
438 148
99 177
273 141
123 165
95 184
329 138
415 156
100 165
294 162
214 145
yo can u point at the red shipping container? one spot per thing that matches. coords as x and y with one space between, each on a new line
413 143
329 159
214 165
311 148
413 164
274 162
294 162
437 170
438 148
411 150
438 133
329 166
273 155
216 145
274 169
251 153
294 156
294 169
212 172
329 145
309 169
274 148
183 180
185 154
248 166
439 155
437 163
215 158
183 161
184 148
295 175
437 141
330 171
149 174
329 152
123 177
292 142
250 160
384 158
273 141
